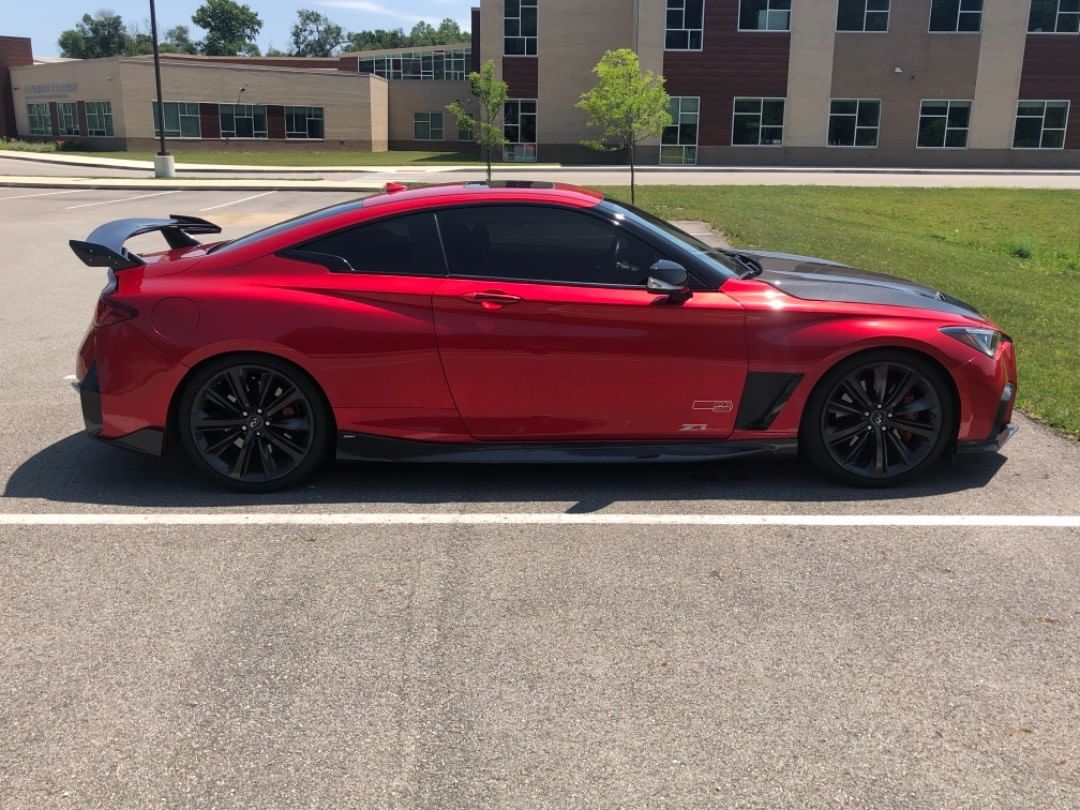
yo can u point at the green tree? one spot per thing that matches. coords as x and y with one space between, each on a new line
450 33
178 40
231 28
377 40
314 35
486 126
627 105
95 37
423 34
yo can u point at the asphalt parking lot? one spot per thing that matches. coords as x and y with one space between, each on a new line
720 635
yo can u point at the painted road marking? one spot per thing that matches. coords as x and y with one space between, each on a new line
530 519
47 194
124 199
237 202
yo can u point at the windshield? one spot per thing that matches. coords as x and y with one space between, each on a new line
280 227
707 253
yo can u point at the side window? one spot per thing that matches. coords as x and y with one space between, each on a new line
534 243
406 245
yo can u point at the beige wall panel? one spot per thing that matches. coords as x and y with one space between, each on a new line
379 113
409 97
933 66
573 36
491 32
99 80
344 97
1001 61
810 67
649 40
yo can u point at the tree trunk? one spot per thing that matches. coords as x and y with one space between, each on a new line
488 152
633 201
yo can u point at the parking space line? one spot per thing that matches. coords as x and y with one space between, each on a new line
124 199
48 194
237 202
532 519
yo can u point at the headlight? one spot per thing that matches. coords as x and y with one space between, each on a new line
980 339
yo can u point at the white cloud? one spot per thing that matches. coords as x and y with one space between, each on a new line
376 8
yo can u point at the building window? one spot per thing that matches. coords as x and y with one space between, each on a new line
758 122
181 119
99 123
428 126
304 122
1054 17
956 16
519 129
944 124
519 28
854 122
764 15
242 120
40 122
68 113
678 143
685 23
863 15
465 134
449 64
1041 124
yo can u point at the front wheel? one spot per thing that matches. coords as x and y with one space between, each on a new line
254 423
879 419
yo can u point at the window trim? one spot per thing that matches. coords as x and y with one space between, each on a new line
74 105
684 146
866 11
950 102
221 130
534 143
1044 102
956 30
688 30
1057 21
106 119
153 123
307 118
768 8
759 145
858 101
430 138
533 4
31 116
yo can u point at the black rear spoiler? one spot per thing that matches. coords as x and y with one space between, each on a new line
105 246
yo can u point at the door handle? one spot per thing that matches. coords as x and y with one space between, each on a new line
491 297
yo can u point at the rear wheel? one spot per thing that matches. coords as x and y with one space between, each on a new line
254 423
879 419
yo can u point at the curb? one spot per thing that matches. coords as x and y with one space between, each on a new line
181 185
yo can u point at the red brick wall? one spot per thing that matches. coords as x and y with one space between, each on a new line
14 52
1052 73
520 74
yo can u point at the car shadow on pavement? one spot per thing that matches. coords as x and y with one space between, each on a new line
78 470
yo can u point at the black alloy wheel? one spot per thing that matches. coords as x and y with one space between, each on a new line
255 425
880 419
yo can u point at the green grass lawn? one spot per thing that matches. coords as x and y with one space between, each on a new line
284 157
1014 254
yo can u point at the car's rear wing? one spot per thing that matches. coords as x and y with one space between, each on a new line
105 246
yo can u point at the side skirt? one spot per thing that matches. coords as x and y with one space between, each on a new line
361 447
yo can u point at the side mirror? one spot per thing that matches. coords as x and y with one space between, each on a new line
669 278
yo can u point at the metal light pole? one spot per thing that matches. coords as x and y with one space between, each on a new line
164 163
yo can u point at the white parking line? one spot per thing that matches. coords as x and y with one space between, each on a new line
237 202
47 194
531 519
124 199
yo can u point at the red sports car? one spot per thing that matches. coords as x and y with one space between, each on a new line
522 322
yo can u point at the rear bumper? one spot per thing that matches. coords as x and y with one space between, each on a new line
150 441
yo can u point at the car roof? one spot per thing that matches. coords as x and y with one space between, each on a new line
502 190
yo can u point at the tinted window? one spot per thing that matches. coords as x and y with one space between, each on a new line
406 245
533 243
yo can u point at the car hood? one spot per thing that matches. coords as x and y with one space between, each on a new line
815 279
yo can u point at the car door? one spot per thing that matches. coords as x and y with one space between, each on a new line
547 332
370 328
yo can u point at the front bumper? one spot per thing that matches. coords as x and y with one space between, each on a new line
989 445
1003 429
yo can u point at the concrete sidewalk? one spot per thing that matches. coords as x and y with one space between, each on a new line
195 184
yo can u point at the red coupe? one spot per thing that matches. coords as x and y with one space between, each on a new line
522 322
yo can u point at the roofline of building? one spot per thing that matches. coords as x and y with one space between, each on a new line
454 46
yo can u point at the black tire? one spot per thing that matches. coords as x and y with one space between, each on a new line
230 399
878 419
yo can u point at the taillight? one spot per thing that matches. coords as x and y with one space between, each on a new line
109 312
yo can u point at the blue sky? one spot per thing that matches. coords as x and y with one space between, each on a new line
43 27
